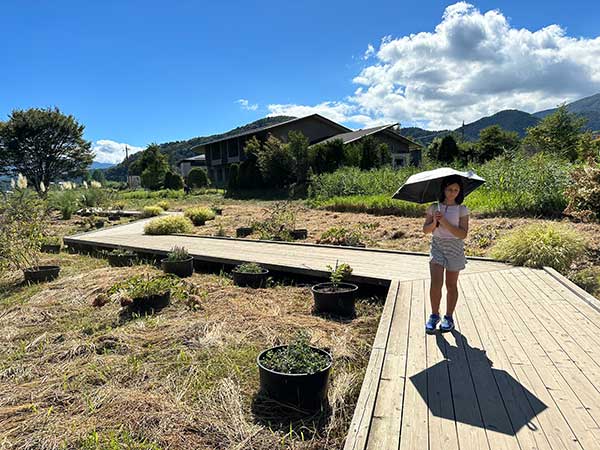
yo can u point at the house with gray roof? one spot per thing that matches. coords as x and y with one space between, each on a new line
219 154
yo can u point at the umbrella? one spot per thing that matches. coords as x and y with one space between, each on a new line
425 187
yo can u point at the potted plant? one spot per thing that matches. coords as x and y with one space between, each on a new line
23 222
250 275
334 296
300 233
242 232
295 375
217 209
178 262
143 293
51 244
120 257
98 222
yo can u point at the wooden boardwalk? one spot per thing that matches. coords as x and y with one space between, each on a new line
521 370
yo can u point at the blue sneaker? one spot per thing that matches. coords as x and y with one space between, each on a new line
447 324
431 324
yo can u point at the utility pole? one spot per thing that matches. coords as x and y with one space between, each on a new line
463 131
127 164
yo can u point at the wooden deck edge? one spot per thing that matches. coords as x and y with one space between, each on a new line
361 420
581 293
376 281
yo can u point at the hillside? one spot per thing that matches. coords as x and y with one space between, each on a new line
588 107
178 150
510 120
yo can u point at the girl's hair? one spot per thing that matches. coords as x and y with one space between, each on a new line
451 180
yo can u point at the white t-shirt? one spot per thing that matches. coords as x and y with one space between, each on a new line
452 213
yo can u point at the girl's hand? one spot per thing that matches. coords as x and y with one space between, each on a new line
438 216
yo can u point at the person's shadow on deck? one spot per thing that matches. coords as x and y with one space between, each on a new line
465 387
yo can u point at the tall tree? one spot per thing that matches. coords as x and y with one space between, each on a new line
44 145
153 166
557 134
494 141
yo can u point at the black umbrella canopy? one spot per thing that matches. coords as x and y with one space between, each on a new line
424 187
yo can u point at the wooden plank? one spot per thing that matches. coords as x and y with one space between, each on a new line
387 415
528 430
414 432
580 342
361 421
500 431
586 394
552 421
442 422
579 421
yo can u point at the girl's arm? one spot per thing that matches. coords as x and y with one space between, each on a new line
429 224
461 230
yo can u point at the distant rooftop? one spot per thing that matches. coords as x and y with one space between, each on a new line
352 136
258 130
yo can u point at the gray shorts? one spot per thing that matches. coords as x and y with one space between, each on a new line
448 253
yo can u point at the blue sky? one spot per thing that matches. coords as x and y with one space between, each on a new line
135 72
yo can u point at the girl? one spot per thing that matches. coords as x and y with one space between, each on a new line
448 220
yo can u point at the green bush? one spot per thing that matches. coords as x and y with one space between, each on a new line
67 202
584 193
199 214
95 197
173 181
151 211
297 357
177 254
539 245
163 204
169 225
198 178
233 181
340 236
23 223
249 268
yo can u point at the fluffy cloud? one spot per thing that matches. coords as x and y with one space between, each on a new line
246 105
108 151
473 64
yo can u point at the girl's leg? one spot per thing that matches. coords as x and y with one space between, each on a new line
435 291
452 291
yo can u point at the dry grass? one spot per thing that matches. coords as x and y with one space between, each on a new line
73 376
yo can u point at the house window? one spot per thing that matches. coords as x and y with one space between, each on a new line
232 149
215 151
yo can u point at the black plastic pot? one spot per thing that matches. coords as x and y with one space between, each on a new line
41 273
299 234
99 223
184 268
121 260
218 211
339 301
51 248
114 218
243 231
198 222
307 392
253 280
150 303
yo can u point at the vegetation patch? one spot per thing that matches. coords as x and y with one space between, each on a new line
552 245
169 225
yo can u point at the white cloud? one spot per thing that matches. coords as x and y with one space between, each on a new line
370 52
246 105
108 151
471 65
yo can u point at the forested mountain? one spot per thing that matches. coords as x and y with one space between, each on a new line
588 107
